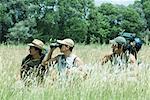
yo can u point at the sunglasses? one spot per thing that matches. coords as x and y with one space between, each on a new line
60 46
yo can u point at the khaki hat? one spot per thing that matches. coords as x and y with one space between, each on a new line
68 42
118 40
37 43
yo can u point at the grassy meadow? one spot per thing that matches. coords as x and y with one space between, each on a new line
101 85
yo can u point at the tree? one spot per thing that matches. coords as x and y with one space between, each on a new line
98 26
114 18
72 19
122 18
81 20
146 7
131 21
139 9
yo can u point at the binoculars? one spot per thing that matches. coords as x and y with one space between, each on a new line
55 45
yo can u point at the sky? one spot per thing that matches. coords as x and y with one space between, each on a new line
120 2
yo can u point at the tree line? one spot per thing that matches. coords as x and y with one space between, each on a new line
81 20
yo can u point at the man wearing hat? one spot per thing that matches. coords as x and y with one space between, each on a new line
31 63
67 60
120 55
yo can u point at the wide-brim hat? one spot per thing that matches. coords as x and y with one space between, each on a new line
37 43
118 40
68 42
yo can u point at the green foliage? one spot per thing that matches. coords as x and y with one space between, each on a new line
80 20
122 18
131 21
114 19
98 26
139 8
146 6
22 31
2 12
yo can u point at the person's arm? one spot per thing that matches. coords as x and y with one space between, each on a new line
79 63
51 60
78 66
48 57
106 58
82 69
132 59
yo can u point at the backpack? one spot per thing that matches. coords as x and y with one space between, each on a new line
130 37
138 43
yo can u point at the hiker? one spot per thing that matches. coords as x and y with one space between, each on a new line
31 64
66 61
134 43
120 55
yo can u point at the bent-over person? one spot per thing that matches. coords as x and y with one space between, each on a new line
120 55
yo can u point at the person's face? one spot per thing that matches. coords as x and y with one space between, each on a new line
116 49
33 51
64 48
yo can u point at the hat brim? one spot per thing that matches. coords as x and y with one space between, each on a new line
32 45
61 42
112 42
65 43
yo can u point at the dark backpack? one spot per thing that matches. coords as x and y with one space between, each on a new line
138 43
130 37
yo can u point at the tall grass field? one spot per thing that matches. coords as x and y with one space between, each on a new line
102 84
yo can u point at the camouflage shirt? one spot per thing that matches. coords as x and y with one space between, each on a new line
30 65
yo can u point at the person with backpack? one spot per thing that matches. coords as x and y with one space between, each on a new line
120 55
66 61
134 43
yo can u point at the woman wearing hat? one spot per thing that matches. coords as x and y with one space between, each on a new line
67 60
31 63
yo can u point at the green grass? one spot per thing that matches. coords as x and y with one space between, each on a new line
101 85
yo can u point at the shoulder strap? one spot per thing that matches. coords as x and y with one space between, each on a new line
74 60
